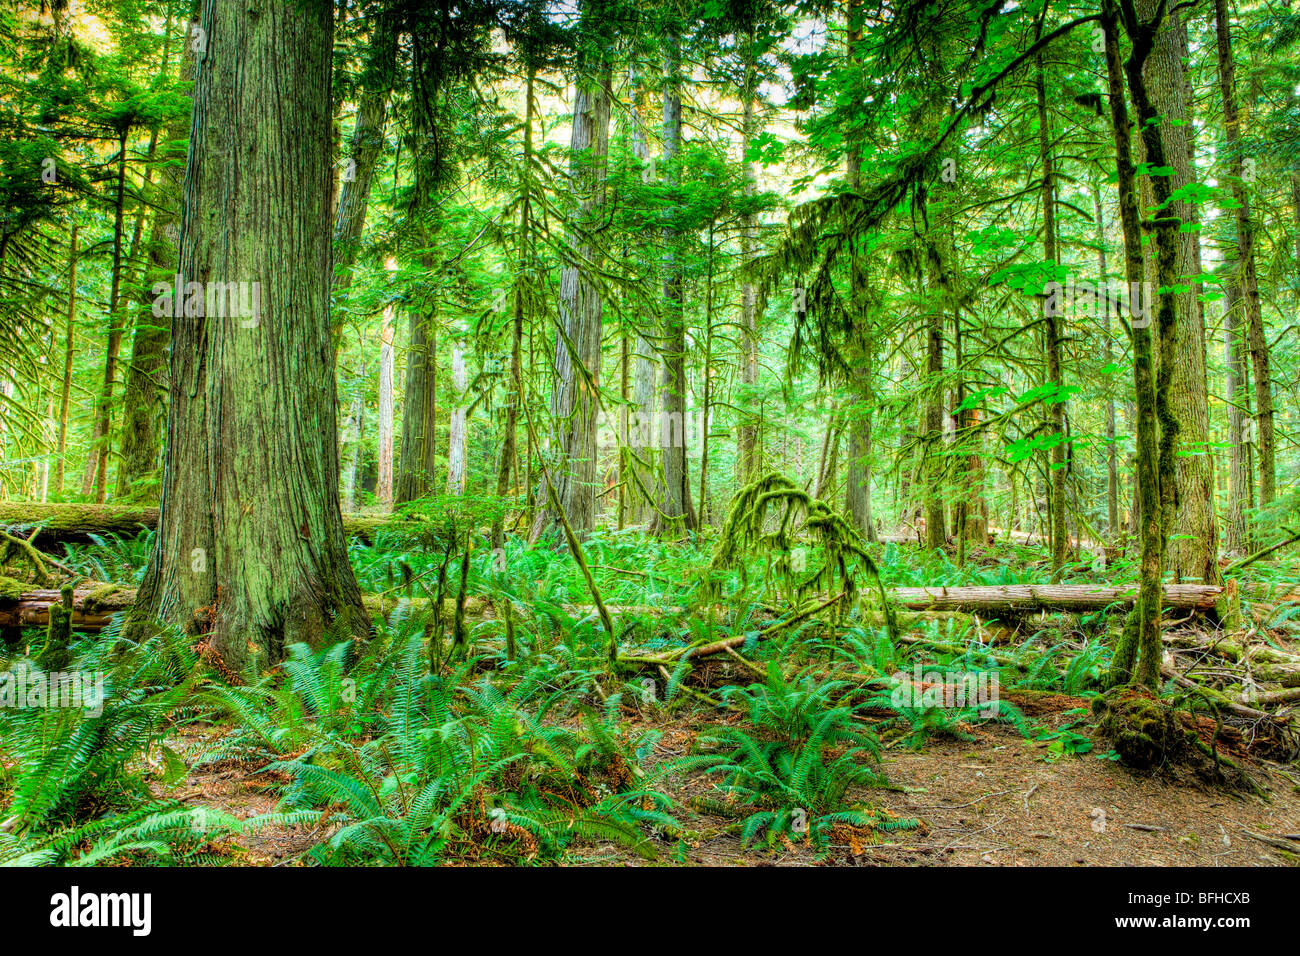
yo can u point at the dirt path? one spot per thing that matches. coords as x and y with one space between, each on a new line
999 802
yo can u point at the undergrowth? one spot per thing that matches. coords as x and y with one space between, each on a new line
528 746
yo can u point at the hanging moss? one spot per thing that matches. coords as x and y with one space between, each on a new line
774 501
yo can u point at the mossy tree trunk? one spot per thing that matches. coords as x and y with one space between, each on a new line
748 453
936 535
1108 354
1058 469
1193 538
1137 658
69 354
1248 284
250 547
417 458
1235 536
857 480
642 474
520 307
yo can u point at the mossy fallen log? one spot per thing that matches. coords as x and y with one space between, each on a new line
94 606
75 523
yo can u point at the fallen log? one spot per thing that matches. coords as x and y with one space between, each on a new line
1047 597
95 605
75 523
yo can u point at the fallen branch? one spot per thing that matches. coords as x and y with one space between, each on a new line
1263 553
1215 697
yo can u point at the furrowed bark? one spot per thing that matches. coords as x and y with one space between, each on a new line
1245 255
251 553
1193 539
1052 337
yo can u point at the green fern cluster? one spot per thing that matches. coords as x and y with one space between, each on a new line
797 769
62 765
156 834
466 766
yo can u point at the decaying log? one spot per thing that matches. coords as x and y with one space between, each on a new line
95 605
1047 597
75 523
92 608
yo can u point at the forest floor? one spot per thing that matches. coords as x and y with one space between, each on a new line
999 800
682 770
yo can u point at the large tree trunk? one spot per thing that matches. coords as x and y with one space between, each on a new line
1193 548
250 549
384 427
1112 453
575 398
971 509
748 459
69 353
641 473
1245 255
519 307
936 535
1137 658
417 461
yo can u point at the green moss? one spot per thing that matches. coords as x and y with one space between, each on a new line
12 589
107 597
1149 734
1126 649
55 655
